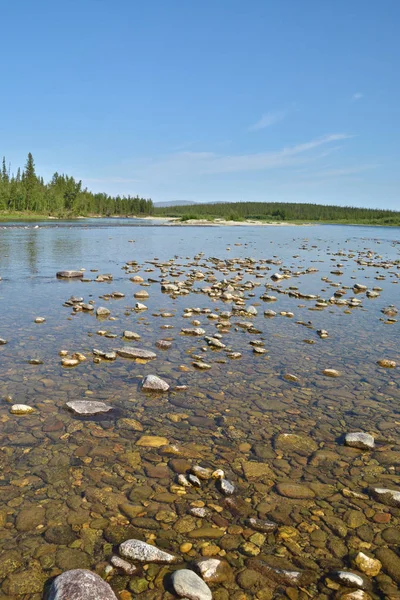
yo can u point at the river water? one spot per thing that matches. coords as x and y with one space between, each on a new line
73 488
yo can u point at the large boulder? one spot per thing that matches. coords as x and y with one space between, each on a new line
80 584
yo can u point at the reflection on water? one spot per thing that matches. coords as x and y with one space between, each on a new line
72 489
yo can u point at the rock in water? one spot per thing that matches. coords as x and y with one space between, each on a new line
102 311
188 585
88 407
69 274
152 383
361 440
386 496
146 553
214 570
80 584
21 409
130 352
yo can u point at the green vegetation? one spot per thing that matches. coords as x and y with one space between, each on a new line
279 211
25 195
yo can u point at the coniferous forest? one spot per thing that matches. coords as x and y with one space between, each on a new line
26 193
282 211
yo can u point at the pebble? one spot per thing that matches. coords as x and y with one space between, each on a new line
366 564
146 553
331 373
153 383
226 487
187 584
88 407
386 363
361 440
130 352
124 565
21 409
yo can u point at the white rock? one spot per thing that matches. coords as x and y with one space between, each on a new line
361 440
21 409
146 553
88 407
187 584
79 584
153 383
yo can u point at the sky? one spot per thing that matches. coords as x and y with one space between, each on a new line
215 100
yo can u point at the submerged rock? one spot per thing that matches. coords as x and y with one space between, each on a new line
130 352
80 584
386 363
142 552
386 496
88 407
190 586
213 570
350 579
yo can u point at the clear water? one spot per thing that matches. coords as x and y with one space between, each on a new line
74 472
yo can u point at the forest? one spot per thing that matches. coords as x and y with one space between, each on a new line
26 194
279 211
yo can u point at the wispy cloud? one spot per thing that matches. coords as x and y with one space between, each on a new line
187 164
357 96
342 172
268 119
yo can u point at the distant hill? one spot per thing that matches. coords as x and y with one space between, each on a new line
174 203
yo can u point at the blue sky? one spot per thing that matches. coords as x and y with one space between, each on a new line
281 100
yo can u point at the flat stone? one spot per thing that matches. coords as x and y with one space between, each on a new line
153 383
130 352
152 441
146 553
390 562
187 584
291 442
131 335
80 584
294 490
124 565
207 532
257 470
29 518
88 407
193 331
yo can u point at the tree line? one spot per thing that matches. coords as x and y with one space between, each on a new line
280 211
26 192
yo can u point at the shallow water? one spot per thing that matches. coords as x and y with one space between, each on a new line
64 478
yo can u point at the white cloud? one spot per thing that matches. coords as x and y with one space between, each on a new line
268 119
189 164
343 172
357 96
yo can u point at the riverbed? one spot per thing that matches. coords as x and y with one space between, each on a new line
256 389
